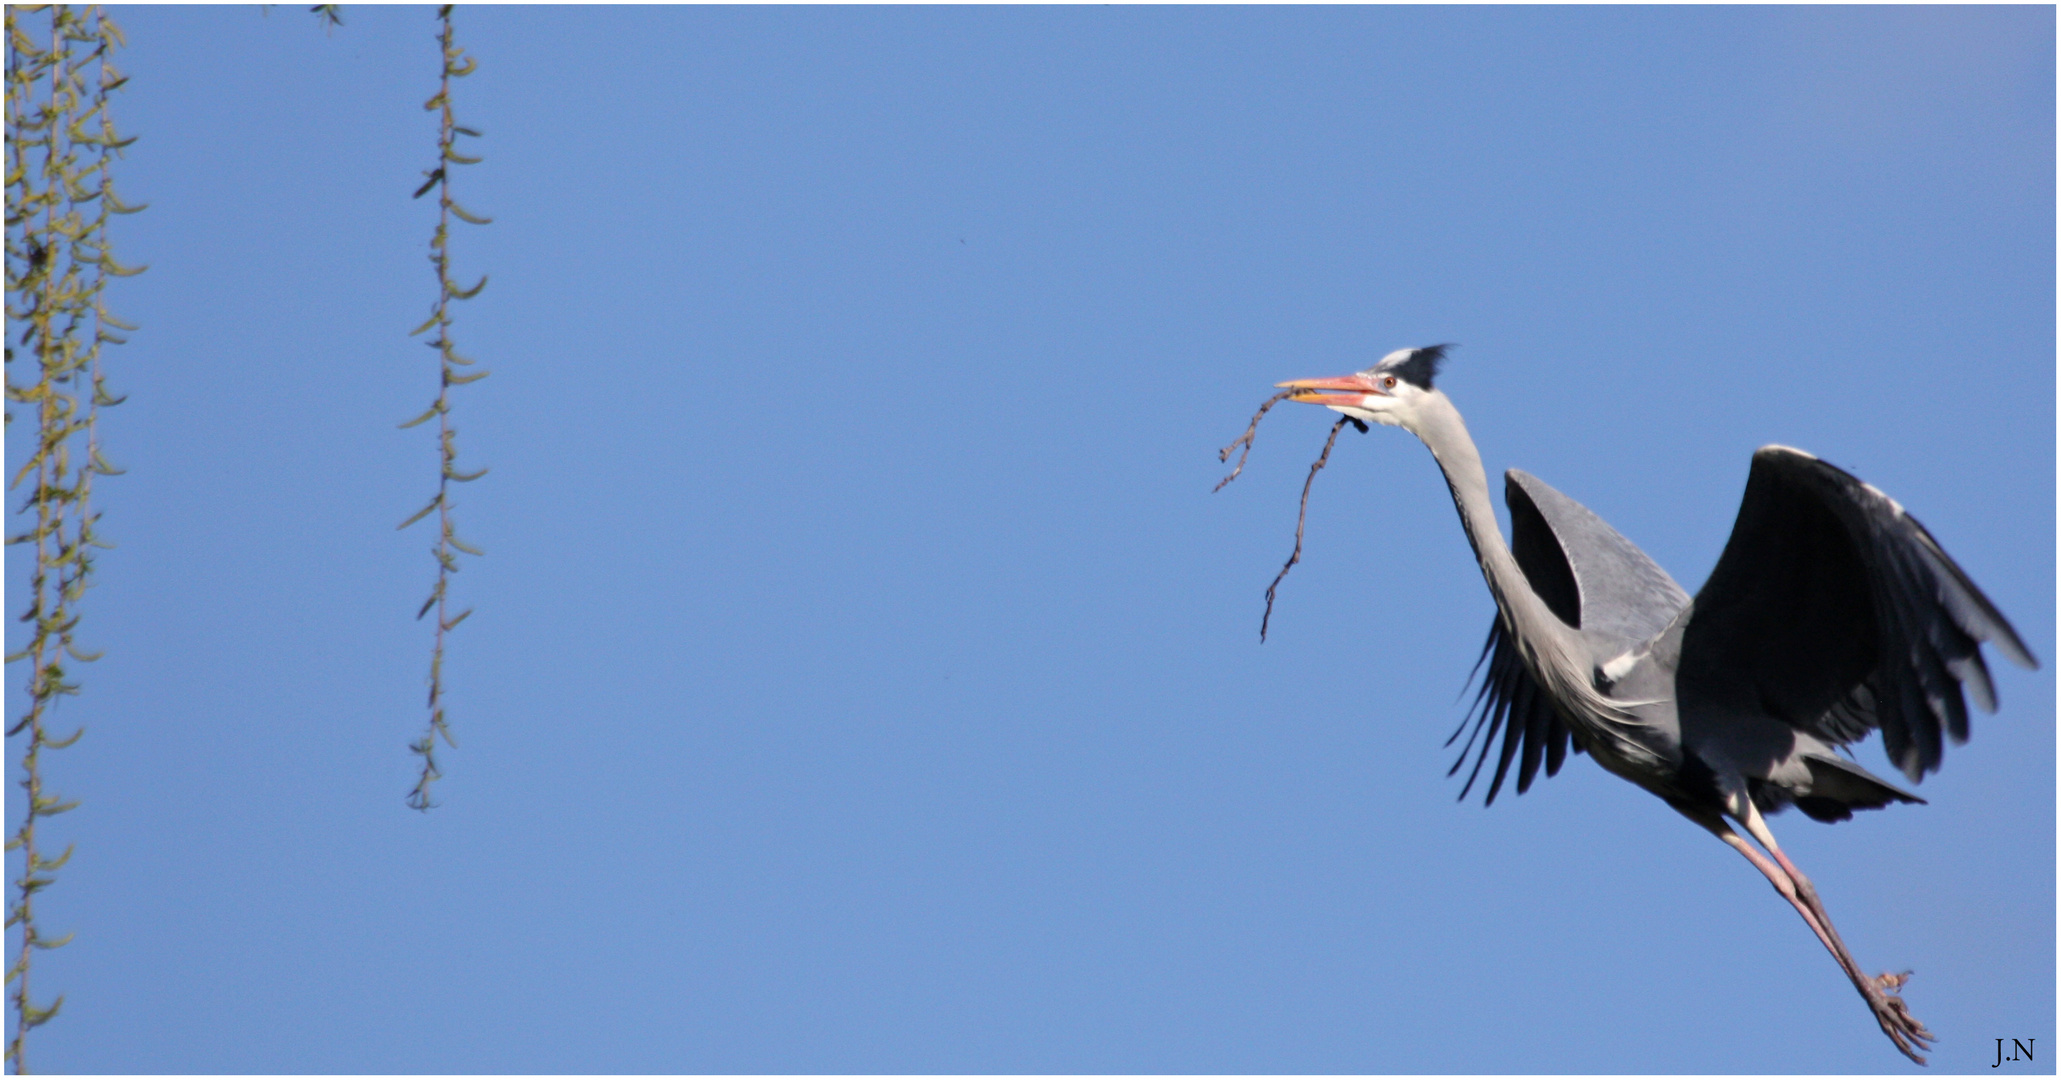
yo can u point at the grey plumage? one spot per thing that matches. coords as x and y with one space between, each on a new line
1832 613
1592 579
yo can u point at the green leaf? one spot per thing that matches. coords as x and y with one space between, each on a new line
452 625
41 942
456 158
464 478
463 130
433 410
466 215
467 294
420 514
463 546
434 316
33 1017
434 175
461 380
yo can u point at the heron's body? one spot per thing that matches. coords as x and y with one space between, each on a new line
1831 614
1628 619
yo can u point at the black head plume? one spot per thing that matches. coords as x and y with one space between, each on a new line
1416 366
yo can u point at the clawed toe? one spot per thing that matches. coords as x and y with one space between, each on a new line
1903 1029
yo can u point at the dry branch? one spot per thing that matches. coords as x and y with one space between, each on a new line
1246 440
1296 555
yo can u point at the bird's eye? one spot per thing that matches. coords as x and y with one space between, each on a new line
1388 382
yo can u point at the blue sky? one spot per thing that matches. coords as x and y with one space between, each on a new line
864 676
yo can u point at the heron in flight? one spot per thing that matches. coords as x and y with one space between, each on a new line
1832 613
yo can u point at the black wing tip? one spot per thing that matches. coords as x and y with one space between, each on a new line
1990 625
1509 704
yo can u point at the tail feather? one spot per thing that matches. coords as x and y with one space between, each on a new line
1839 787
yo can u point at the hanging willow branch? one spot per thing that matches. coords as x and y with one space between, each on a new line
60 198
452 371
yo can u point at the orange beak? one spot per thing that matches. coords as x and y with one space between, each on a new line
1339 390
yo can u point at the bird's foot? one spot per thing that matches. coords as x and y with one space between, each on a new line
1903 1029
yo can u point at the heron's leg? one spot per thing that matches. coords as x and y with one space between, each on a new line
1758 826
1777 877
1897 1022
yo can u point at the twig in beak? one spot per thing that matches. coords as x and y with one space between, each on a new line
1250 430
1296 555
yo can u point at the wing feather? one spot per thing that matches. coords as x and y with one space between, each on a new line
1835 611
1591 578
1510 702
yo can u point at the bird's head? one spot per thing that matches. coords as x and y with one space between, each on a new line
1390 392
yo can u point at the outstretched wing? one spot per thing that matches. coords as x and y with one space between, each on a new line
1594 580
1835 612
1625 599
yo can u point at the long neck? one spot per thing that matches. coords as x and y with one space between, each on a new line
1439 425
1552 650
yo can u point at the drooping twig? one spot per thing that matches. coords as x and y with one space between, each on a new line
1296 556
61 146
456 65
1246 439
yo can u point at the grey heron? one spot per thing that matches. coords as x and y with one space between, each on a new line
1832 613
